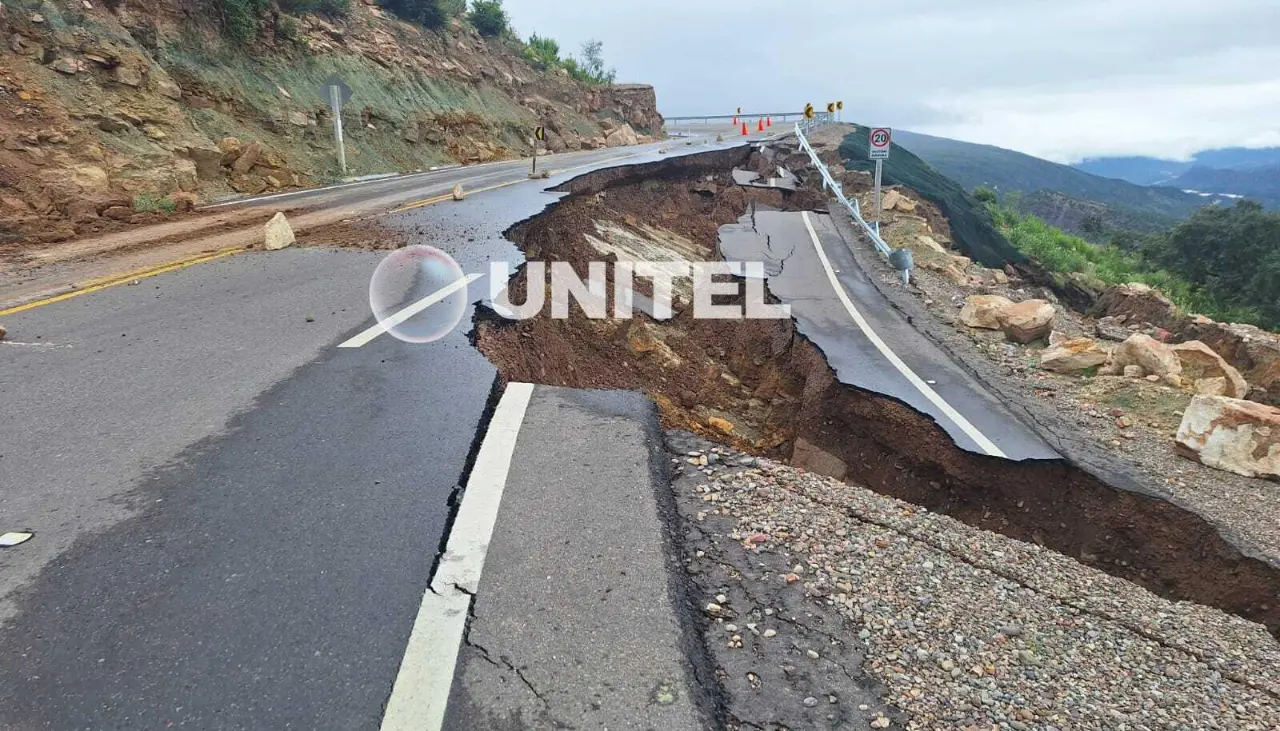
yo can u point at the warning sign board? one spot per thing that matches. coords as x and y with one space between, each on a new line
881 139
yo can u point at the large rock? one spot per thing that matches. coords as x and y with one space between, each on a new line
1153 356
244 163
622 137
231 148
208 162
984 310
1233 435
1138 303
277 234
1027 321
1073 356
1253 352
1199 362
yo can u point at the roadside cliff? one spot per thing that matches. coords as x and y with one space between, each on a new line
135 108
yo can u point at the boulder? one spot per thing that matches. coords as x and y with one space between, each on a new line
1199 362
1133 371
231 149
244 163
208 162
1111 328
622 137
68 66
983 310
1232 435
184 201
127 74
1139 303
1155 357
277 234
1073 356
1027 321
1252 351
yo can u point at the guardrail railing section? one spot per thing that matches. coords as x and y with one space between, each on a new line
900 259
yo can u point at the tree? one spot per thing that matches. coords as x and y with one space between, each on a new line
490 18
984 195
543 53
590 68
1092 225
1233 252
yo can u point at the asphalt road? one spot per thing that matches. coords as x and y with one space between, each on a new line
234 519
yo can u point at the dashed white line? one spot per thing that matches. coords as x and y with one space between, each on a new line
421 690
364 338
956 417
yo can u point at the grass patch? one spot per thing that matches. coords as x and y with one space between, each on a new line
1100 264
154 204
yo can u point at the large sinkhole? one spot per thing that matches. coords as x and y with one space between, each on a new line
760 386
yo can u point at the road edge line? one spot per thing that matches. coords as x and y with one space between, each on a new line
420 694
934 398
366 336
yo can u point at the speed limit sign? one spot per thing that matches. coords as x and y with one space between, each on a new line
881 139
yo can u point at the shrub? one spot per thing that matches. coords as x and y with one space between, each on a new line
984 195
239 18
330 8
489 17
430 13
153 203
543 53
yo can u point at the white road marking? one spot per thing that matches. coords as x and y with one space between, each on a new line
421 690
377 329
956 417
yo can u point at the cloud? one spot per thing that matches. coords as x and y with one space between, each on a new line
1058 78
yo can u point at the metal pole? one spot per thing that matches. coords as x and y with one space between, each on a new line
335 103
534 172
879 168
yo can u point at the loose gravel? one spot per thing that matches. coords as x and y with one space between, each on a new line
966 629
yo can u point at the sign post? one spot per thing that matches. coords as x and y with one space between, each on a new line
880 141
839 110
337 93
539 135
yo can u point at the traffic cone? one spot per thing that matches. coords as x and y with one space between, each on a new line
768 121
760 126
735 121
744 129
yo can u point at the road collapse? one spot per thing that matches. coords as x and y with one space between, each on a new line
761 387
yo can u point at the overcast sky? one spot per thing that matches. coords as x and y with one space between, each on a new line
1061 79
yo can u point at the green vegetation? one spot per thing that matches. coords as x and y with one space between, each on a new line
489 18
329 8
241 20
429 13
1161 261
154 204
544 54
1232 252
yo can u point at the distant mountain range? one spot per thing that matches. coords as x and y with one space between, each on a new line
1061 194
1154 171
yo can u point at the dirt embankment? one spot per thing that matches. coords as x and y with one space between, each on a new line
131 109
760 386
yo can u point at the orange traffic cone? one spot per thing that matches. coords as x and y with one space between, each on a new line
744 129
735 121
760 126
768 121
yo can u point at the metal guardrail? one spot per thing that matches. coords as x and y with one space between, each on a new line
706 119
830 183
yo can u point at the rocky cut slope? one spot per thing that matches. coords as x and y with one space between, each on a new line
134 107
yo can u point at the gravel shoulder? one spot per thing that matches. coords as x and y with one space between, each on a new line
910 619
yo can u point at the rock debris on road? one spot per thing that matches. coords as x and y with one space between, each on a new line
961 628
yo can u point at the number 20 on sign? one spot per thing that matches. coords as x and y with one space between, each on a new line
881 139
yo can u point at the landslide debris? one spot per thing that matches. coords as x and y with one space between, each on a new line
124 112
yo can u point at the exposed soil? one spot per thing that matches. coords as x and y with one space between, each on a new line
761 387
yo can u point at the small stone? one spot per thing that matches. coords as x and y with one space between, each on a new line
810 702
770 633
722 599
880 722
813 654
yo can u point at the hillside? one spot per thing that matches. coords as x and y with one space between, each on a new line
970 221
1154 171
105 105
1127 205
1257 183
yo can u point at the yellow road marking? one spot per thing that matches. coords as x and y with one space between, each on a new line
96 285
